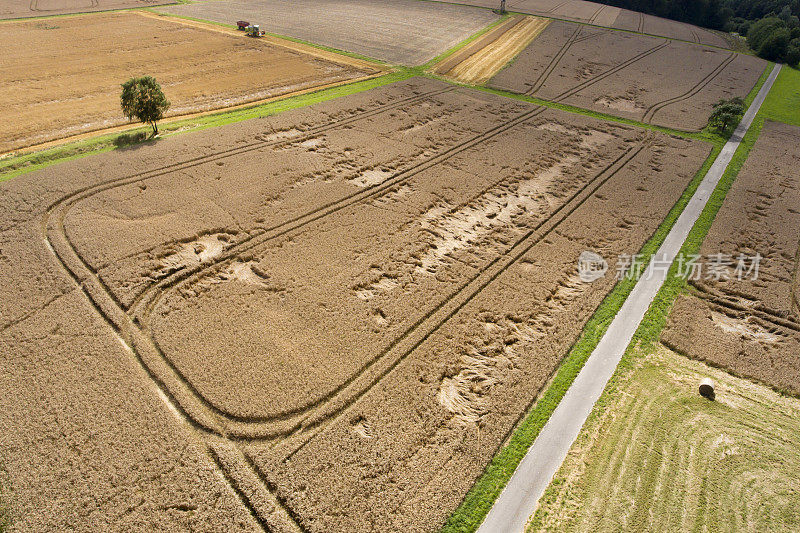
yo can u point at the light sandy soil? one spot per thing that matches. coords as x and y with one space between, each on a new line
751 327
13 9
609 17
62 75
476 64
365 293
654 80
406 32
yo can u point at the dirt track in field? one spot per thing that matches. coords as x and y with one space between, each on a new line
63 74
653 80
367 292
14 9
406 32
751 327
609 17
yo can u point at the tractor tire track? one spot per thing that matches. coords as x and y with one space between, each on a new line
432 321
612 70
548 70
373 371
649 115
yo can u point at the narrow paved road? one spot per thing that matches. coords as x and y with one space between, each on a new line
518 500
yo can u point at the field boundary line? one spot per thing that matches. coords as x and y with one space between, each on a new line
519 499
296 46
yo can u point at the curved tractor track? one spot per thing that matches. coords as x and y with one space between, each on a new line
649 114
223 433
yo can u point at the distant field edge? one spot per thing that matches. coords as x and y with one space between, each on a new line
34 158
511 11
96 11
330 49
480 498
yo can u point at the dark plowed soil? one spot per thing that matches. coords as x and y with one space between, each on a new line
751 326
363 297
654 80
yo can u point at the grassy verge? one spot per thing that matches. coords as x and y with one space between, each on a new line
487 488
481 497
14 166
783 103
465 42
645 340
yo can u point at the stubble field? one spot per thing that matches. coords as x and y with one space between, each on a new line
751 326
659 81
438 226
404 32
62 75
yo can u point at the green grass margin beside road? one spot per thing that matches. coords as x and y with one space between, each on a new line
487 488
783 102
647 335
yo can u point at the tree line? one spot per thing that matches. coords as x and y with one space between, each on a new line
772 27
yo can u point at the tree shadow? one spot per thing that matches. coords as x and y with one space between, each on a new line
129 141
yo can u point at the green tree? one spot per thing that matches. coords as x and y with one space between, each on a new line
726 115
143 99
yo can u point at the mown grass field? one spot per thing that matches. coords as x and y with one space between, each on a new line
662 458
783 104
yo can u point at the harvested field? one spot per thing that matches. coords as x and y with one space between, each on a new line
62 76
481 59
609 17
658 457
663 82
751 327
14 9
365 294
406 32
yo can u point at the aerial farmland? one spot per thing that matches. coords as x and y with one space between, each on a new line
347 263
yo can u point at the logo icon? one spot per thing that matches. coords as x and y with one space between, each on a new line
591 266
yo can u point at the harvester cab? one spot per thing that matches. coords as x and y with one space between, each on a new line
253 31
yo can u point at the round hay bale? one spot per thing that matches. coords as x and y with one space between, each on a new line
707 387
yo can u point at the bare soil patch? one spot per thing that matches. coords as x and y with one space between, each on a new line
751 327
366 293
13 9
407 32
610 17
654 80
62 75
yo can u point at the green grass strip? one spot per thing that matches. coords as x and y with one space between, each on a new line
783 103
487 488
465 42
14 166
649 331
482 495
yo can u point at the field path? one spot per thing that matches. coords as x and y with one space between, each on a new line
520 497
